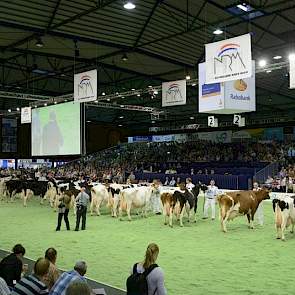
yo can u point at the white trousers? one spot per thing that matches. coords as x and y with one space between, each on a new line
156 205
259 214
209 203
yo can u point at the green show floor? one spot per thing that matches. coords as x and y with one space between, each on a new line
196 259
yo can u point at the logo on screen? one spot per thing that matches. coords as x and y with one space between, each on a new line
85 88
228 56
173 93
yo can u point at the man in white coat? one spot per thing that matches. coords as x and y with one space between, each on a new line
210 199
259 212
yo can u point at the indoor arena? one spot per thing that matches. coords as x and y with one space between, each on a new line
147 147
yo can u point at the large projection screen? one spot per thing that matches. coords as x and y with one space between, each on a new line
56 130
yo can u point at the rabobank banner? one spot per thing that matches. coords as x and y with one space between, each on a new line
230 97
229 59
240 94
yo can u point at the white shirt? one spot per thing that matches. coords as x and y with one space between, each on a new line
212 192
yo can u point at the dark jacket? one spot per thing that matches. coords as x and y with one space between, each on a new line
11 269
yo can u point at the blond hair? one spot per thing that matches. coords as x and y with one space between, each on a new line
151 255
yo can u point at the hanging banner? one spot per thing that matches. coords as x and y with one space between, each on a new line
292 73
211 96
229 59
85 86
174 93
237 96
26 115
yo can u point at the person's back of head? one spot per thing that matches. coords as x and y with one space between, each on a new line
78 288
151 255
41 267
18 249
51 255
81 267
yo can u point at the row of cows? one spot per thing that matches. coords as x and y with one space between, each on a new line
175 201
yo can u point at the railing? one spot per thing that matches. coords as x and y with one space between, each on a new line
270 170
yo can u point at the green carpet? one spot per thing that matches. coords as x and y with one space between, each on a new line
197 259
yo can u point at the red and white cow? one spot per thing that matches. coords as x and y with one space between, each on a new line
284 215
233 204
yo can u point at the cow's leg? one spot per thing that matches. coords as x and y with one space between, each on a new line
115 206
91 206
171 216
165 213
24 195
283 227
248 217
252 221
128 210
181 216
292 228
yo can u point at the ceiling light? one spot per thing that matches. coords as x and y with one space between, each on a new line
268 71
121 106
292 56
17 109
187 77
129 5
55 102
117 93
121 117
45 104
192 118
156 92
124 57
39 42
120 125
123 96
194 84
217 32
35 106
243 7
153 122
9 110
150 86
108 99
103 94
66 100
96 101
262 63
133 89
88 121
138 94
277 57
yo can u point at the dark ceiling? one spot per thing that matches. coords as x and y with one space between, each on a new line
163 40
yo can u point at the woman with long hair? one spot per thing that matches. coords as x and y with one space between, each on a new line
153 273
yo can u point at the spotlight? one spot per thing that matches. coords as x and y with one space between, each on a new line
108 99
192 118
153 122
45 104
121 117
17 109
129 5
35 106
121 106
187 77
217 32
9 110
124 57
138 94
123 96
39 42
150 86
120 125
55 102
268 71
262 63
133 89
103 94
277 57
292 56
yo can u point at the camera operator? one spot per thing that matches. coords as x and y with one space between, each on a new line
63 211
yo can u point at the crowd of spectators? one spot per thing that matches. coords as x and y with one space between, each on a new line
167 157
46 279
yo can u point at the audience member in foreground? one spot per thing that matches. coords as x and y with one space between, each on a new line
4 290
33 284
53 273
68 277
78 288
147 274
11 266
